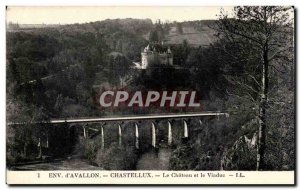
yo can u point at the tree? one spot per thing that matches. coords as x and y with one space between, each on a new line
267 33
179 28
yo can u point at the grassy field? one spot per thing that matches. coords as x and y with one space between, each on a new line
194 37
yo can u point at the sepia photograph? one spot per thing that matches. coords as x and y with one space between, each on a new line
122 92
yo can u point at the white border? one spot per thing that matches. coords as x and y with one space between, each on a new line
109 2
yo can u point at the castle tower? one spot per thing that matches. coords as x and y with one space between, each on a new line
145 56
170 56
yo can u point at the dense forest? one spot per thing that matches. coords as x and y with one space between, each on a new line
57 72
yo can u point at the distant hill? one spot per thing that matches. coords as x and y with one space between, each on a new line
195 32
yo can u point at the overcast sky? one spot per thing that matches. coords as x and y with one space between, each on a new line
69 15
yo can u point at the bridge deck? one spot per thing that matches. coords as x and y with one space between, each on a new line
126 118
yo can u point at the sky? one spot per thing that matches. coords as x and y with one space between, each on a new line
69 15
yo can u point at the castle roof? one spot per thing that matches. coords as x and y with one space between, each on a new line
147 48
153 48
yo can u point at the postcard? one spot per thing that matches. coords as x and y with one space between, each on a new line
150 95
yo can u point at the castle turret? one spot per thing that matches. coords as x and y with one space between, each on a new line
147 48
169 56
169 50
145 55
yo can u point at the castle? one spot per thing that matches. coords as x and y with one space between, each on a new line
155 54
